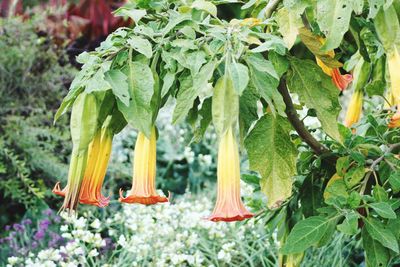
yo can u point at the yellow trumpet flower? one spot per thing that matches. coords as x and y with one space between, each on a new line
144 173
229 206
354 110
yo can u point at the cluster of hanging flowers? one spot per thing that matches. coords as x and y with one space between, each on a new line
92 134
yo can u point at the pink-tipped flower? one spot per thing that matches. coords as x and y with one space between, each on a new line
144 173
229 206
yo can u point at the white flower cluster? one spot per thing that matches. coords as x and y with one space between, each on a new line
161 235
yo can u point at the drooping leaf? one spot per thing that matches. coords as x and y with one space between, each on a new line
289 24
380 233
350 224
305 234
375 253
207 6
188 94
333 18
141 88
273 155
265 79
141 45
383 209
240 76
316 90
119 83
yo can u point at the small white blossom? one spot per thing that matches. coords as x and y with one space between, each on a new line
13 260
95 224
93 253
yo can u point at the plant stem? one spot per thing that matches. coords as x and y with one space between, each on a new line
270 8
297 124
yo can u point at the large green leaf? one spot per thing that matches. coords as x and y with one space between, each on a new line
141 45
375 253
383 209
380 233
119 84
225 105
333 18
191 90
306 233
141 88
240 76
265 79
289 23
273 155
388 27
316 90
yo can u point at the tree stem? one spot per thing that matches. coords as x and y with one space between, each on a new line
297 124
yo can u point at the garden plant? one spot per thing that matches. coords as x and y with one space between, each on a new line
302 98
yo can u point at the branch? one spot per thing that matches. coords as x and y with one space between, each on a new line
297 124
270 8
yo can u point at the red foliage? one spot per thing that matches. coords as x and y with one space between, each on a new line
6 8
98 13
92 19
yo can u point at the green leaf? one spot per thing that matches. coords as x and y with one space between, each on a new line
141 88
289 24
270 136
383 209
306 233
240 76
379 232
247 110
333 17
271 43
168 81
354 176
375 253
188 93
265 79
394 180
380 194
135 14
119 84
316 90
206 118
225 105
388 27
206 6
141 45
350 224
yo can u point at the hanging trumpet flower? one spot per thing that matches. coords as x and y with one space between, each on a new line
355 108
362 73
229 206
83 126
144 172
340 81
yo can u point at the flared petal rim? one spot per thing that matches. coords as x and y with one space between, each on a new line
145 200
57 190
222 218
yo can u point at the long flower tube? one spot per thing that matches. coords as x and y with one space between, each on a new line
394 72
143 189
354 110
229 206
94 176
83 126
361 73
